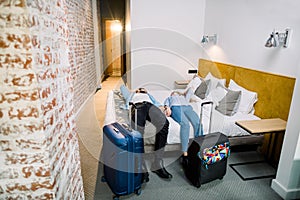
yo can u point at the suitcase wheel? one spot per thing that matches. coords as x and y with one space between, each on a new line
103 179
221 178
197 184
138 191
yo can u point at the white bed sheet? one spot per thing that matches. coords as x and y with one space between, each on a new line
110 114
220 122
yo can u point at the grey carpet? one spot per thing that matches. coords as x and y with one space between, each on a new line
230 187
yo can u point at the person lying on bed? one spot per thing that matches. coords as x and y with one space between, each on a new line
177 106
148 110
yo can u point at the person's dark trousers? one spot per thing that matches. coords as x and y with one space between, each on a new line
148 112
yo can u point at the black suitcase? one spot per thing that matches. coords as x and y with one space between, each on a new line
207 157
122 159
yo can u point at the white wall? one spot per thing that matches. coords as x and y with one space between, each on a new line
287 182
243 27
97 37
165 38
297 153
128 41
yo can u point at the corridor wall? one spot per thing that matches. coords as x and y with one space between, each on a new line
47 67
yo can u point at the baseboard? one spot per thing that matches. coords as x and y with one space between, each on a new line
284 192
84 103
98 87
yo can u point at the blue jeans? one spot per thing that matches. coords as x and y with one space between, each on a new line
183 115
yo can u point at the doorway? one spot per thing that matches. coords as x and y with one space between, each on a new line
113 48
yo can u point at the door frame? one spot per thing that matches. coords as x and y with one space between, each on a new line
122 46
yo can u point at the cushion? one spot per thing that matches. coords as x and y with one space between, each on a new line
248 98
214 81
202 89
229 103
194 83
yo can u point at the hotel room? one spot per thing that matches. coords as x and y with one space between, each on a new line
164 44
53 59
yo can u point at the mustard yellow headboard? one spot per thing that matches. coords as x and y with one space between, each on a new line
274 91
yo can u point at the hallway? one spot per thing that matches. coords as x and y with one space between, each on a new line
89 126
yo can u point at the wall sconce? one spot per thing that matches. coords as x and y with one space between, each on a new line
209 38
277 39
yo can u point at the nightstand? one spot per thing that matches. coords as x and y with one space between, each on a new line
181 84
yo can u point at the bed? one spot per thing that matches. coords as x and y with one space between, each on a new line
220 122
226 124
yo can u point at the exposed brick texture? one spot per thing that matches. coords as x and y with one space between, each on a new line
47 68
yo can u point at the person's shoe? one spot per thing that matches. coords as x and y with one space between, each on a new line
158 168
145 177
184 161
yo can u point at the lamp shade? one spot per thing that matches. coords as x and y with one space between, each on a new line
269 42
204 39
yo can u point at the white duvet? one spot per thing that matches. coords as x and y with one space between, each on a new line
219 122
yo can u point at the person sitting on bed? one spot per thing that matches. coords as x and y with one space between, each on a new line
177 106
148 109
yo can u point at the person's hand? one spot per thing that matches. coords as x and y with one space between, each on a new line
167 111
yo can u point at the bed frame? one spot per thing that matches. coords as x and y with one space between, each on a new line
274 92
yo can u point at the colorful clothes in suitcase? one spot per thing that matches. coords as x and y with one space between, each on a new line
214 154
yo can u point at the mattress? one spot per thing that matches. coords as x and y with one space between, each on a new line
219 122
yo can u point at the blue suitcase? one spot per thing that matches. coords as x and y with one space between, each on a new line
122 159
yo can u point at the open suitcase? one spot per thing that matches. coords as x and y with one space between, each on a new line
122 159
207 156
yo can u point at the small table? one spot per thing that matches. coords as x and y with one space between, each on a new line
262 126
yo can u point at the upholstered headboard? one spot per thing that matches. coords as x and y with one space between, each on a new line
274 91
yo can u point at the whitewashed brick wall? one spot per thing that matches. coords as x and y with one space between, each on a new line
82 55
47 71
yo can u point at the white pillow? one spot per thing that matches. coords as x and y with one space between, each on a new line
194 83
214 81
248 98
217 94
